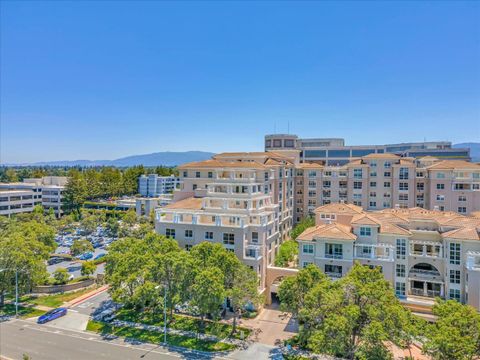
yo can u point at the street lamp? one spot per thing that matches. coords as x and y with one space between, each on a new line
16 288
164 312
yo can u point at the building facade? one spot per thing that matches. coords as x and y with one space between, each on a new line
333 151
48 191
18 201
383 181
153 185
243 201
422 253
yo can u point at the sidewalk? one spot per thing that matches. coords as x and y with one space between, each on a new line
86 296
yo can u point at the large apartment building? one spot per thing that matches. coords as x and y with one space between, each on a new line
333 151
382 181
422 253
47 191
153 185
243 201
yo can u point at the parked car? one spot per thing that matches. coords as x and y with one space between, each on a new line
55 260
85 256
52 315
99 256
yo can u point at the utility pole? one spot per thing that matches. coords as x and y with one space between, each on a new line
165 315
16 293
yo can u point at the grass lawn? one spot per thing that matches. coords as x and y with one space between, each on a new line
23 312
155 337
181 322
56 300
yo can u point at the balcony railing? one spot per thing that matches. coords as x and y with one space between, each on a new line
421 272
335 275
334 256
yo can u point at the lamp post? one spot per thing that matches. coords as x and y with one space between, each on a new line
164 312
16 288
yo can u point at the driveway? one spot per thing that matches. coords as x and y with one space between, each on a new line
272 326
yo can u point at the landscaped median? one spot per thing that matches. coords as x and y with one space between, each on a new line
156 337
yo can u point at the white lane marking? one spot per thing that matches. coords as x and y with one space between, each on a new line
75 311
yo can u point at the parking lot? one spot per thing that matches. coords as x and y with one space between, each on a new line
100 239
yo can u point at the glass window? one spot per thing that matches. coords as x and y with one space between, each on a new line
365 231
401 248
334 251
400 289
228 238
403 173
454 276
188 233
400 270
315 153
307 248
339 153
208 235
170 233
454 294
454 253
357 173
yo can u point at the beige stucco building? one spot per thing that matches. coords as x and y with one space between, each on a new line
383 181
422 253
243 201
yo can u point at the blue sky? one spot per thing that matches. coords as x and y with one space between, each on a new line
101 80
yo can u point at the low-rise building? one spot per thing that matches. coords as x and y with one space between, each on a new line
49 190
17 201
153 185
422 253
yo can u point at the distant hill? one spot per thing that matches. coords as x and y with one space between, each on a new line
474 149
166 158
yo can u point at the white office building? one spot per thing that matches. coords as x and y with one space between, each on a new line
153 185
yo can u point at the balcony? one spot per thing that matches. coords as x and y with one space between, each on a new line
473 260
335 275
253 252
334 256
374 252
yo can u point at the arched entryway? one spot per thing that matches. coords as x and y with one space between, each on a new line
425 280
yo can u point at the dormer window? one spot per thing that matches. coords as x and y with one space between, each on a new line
365 231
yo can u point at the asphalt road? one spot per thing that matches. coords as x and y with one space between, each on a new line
88 306
43 342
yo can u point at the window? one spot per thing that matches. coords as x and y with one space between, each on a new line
334 251
440 198
462 209
401 249
420 186
388 165
327 173
454 276
400 270
400 289
333 270
312 183
210 174
387 174
403 186
419 174
454 294
373 194
307 249
185 174
194 186
188 247
373 174
188 233
440 175
327 184
254 236
373 184
357 184
365 231
386 184
403 197
312 193
403 173
306 263
373 164
454 253
197 174
312 173
208 235
170 233
357 173
440 186
228 238
462 198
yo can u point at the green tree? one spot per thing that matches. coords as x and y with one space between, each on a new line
27 255
88 268
130 217
287 253
61 275
301 227
130 179
293 290
243 292
352 318
11 175
208 293
76 191
112 226
80 246
89 222
455 335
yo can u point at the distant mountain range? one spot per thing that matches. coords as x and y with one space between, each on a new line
474 149
166 158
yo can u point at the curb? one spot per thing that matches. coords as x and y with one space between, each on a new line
92 294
